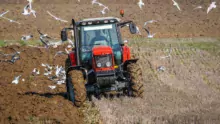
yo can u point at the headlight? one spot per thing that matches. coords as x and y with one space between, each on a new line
99 65
108 64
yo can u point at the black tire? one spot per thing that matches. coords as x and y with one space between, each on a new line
76 91
136 80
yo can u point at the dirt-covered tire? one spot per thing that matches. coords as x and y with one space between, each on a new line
136 79
76 90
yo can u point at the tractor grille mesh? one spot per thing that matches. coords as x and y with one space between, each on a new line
103 59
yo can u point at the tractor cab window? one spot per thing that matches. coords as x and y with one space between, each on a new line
95 35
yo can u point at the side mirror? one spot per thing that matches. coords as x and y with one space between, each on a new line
63 35
132 28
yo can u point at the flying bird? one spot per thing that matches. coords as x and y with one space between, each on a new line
27 37
10 20
56 18
28 9
3 13
60 53
176 4
149 35
198 7
104 9
45 40
16 80
150 21
211 6
138 30
140 4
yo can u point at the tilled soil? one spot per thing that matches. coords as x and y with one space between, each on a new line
171 22
32 101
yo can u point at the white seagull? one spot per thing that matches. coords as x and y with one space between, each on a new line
10 20
27 37
102 5
150 21
103 10
56 18
52 87
16 80
176 4
211 6
198 7
28 9
60 53
140 4
149 35
138 31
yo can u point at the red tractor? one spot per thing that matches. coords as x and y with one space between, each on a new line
100 62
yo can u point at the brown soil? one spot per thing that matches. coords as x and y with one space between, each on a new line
171 22
32 101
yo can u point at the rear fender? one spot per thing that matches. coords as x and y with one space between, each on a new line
126 53
72 58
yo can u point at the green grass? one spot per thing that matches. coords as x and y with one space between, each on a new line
2 43
20 42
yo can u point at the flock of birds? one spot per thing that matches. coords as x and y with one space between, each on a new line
58 77
150 35
28 10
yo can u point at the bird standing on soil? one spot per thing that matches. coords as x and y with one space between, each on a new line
16 80
52 87
27 37
149 35
140 4
211 6
10 20
176 4
56 18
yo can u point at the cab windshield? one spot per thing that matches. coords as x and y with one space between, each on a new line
94 35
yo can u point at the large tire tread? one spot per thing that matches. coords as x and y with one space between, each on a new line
78 87
136 79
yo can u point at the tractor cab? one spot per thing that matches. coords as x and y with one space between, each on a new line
99 34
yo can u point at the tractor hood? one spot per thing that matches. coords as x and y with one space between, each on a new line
102 50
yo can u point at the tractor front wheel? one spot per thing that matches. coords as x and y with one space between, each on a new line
76 91
136 87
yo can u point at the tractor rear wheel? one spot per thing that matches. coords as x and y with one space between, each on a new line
76 90
136 80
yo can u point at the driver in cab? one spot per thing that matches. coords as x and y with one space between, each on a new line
99 39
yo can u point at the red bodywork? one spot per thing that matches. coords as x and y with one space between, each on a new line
126 53
72 58
102 50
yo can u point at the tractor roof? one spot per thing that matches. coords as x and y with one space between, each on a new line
96 21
